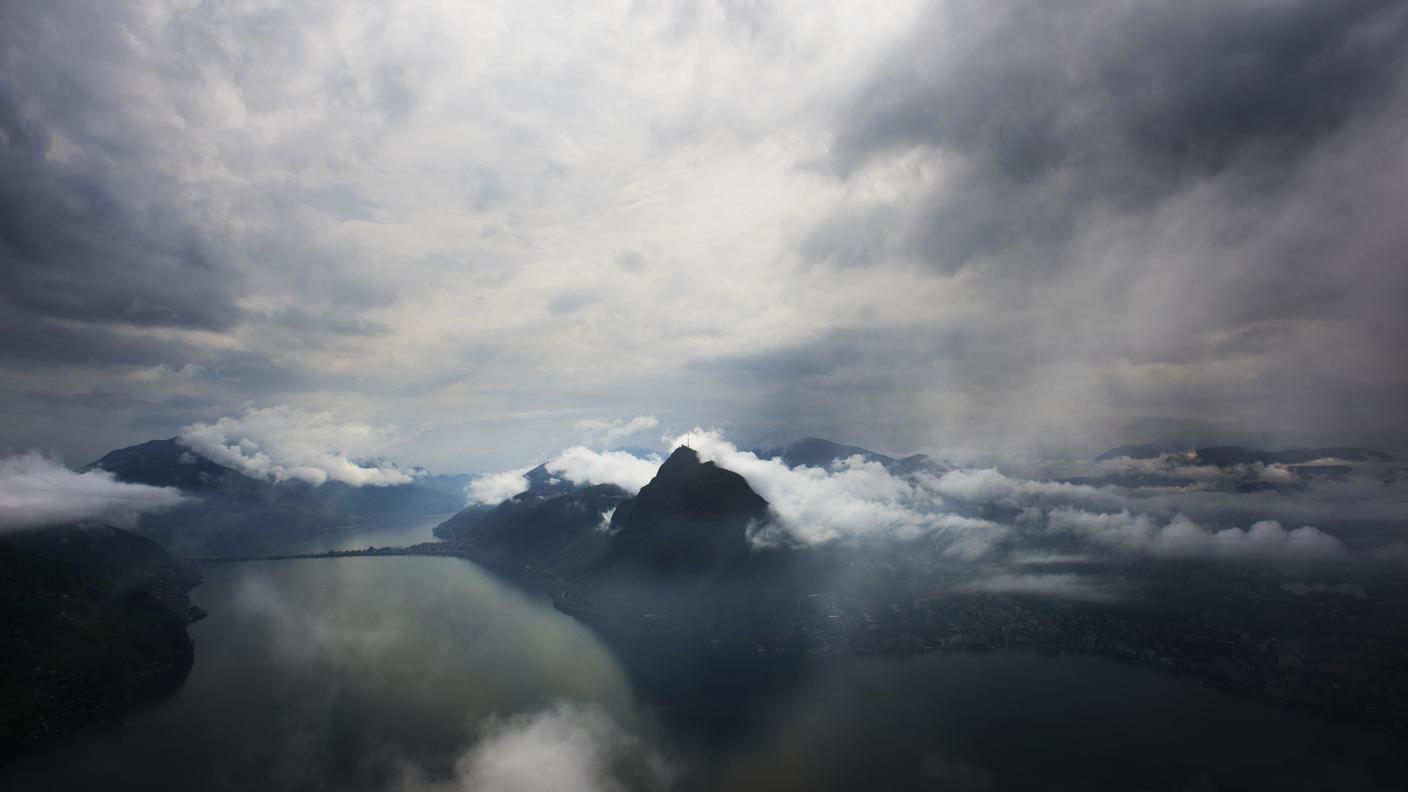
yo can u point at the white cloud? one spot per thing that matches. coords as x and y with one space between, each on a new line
36 491
582 465
287 443
1181 538
605 525
609 433
495 488
857 500
854 500
572 747
579 465
991 485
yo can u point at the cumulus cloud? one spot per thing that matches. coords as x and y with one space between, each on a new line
991 485
564 747
36 491
1181 538
582 465
579 465
493 488
282 443
611 432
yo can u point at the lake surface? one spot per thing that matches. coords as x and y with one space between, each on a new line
419 673
382 531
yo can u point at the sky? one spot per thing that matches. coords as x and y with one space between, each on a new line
467 236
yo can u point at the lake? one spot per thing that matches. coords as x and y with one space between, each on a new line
419 673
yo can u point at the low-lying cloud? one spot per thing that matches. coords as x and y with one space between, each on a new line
36 491
1181 538
853 500
282 443
564 747
493 488
988 514
581 465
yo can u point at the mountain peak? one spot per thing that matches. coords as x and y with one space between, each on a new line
681 459
692 516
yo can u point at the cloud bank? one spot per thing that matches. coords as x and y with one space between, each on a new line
855 500
282 443
1181 538
986 514
582 465
36 491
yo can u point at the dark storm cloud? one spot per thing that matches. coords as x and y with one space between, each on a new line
27 339
1171 215
1059 109
70 249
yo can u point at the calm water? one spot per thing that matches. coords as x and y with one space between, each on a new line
430 673
384 531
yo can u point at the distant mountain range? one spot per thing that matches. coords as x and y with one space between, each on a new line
1145 451
231 513
816 452
1227 456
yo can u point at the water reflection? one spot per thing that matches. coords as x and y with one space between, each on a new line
381 531
429 673
336 673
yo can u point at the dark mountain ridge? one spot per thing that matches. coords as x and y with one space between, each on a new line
92 620
1226 456
692 517
554 526
231 513
681 561
822 453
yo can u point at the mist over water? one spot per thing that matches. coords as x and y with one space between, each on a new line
431 673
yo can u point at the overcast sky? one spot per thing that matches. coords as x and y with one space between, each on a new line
485 231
